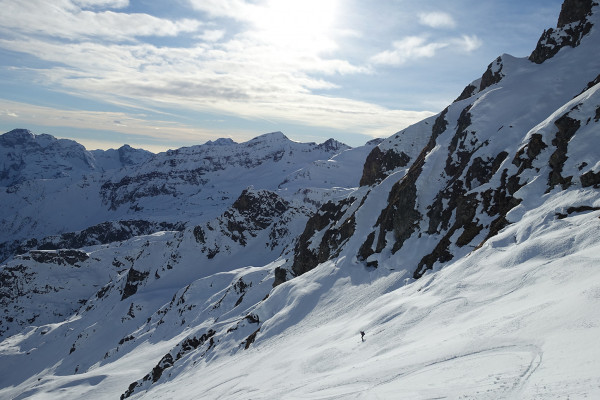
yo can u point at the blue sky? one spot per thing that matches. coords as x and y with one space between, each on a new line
166 74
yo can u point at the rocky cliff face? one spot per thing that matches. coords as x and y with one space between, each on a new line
573 24
483 154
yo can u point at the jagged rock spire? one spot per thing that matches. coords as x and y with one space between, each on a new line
573 24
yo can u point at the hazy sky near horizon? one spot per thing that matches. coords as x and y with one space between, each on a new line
167 74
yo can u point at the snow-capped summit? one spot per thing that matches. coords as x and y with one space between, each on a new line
220 142
26 156
183 186
124 156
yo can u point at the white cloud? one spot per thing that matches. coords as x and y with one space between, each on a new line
63 19
468 43
102 3
437 20
211 35
236 9
415 47
409 48
253 74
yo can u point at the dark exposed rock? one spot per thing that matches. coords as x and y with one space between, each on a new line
566 129
574 11
579 209
590 179
126 339
467 92
533 148
366 249
129 189
458 148
250 339
306 259
590 85
193 343
253 212
260 206
465 208
252 318
240 286
492 75
378 163
106 232
61 257
481 171
169 359
332 145
199 234
131 285
401 215
280 276
572 26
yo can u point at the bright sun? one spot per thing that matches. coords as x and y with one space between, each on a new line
298 24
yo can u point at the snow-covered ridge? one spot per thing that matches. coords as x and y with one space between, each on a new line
26 156
187 185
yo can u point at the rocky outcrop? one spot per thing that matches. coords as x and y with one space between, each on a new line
572 26
310 250
134 278
253 213
104 233
467 92
492 75
186 346
566 129
378 163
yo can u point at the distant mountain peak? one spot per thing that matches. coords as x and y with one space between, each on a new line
220 142
278 135
16 136
333 145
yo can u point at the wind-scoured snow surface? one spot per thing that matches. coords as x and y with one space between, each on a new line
468 255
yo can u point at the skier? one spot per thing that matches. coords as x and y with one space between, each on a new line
362 335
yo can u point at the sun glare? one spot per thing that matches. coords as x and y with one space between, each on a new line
298 25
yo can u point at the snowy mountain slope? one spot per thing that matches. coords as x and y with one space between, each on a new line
468 256
537 123
188 185
118 158
507 321
104 233
26 156
43 287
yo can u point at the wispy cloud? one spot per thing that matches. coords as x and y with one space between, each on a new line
409 48
211 35
416 47
67 20
467 43
271 68
102 3
437 19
